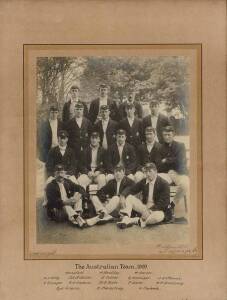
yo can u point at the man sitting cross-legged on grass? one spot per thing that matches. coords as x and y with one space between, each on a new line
108 198
64 197
155 204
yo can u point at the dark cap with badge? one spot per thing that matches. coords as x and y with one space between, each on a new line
63 134
150 129
59 168
121 132
104 107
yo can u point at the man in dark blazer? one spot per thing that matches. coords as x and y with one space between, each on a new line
92 164
69 107
121 153
155 120
148 152
115 113
106 127
155 204
173 154
133 126
79 129
65 197
94 111
108 198
138 106
48 132
61 154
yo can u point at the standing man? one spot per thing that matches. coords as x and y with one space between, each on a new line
106 127
149 152
92 163
48 133
133 126
115 113
121 153
69 107
108 198
156 119
65 197
155 204
79 129
173 154
138 106
94 111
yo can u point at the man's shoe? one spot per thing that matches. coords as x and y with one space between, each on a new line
142 223
78 220
92 221
105 219
127 222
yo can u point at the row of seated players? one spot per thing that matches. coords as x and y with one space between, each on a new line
79 127
96 165
67 200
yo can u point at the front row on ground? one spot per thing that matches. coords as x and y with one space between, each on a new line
143 203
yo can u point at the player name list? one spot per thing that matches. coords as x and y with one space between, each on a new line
111 277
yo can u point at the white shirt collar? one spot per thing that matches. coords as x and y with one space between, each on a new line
151 182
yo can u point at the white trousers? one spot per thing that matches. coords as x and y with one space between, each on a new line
74 209
84 180
149 216
108 207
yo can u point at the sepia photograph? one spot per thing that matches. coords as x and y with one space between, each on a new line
113 151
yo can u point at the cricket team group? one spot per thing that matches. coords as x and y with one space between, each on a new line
106 163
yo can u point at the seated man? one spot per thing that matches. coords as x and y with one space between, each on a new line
108 198
148 152
121 153
133 126
92 164
155 204
173 154
64 196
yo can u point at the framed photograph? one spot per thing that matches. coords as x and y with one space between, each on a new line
118 128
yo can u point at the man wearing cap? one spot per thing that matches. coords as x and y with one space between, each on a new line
173 153
64 196
148 152
138 106
106 127
92 163
132 126
156 119
97 103
121 153
61 154
79 129
69 107
48 133
155 204
108 198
